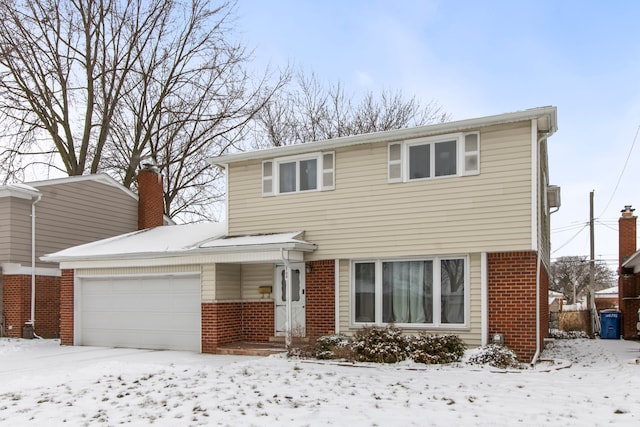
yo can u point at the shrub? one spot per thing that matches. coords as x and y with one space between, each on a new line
567 335
433 349
332 347
496 356
381 345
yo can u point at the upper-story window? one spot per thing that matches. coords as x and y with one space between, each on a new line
435 157
295 174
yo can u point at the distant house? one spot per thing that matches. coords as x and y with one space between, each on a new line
606 299
556 300
628 274
441 228
68 212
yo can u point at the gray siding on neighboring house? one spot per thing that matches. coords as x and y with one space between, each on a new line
15 230
73 213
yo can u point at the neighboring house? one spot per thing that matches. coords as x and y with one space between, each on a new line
628 274
441 229
68 212
606 299
556 300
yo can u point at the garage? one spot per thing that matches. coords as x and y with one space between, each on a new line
154 312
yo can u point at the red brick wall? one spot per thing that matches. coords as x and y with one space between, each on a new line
258 320
626 237
512 300
66 307
320 298
544 305
151 201
17 304
221 324
629 287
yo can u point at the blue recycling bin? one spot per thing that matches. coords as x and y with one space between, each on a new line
610 325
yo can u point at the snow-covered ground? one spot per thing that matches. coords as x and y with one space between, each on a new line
589 382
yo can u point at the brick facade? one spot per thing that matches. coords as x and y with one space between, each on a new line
628 282
66 307
17 304
511 291
320 298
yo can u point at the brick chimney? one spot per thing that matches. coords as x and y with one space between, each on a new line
150 198
626 234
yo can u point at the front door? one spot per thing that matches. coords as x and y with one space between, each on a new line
297 300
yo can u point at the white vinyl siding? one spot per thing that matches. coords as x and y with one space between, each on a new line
365 217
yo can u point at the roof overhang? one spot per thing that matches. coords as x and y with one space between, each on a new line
633 262
20 191
546 122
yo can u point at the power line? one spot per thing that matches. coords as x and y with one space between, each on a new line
570 240
622 171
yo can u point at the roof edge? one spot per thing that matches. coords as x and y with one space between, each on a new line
549 112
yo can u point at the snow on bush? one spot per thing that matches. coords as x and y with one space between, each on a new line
567 335
496 356
432 349
381 345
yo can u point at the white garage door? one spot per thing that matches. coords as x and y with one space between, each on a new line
144 312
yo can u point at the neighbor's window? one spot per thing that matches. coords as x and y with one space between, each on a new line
310 172
449 155
428 292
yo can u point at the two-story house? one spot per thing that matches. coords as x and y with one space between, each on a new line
441 228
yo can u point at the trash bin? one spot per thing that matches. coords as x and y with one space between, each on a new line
610 325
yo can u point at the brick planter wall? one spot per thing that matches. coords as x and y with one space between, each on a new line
221 324
320 298
258 320
511 300
17 304
66 307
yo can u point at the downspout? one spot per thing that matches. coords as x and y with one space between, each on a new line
538 346
287 276
538 349
33 265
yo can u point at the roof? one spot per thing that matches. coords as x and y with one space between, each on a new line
607 292
178 240
633 262
546 116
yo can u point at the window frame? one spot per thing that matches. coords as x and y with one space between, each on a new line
437 323
462 154
325 168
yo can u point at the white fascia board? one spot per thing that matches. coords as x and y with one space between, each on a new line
547 117
19 191
19 269
273 256
633 262
228 252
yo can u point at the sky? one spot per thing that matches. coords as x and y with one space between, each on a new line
483 58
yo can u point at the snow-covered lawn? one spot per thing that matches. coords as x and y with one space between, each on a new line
590 382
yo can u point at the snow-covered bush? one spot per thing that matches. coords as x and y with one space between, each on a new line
496 356
333 347
381 345
567 335
434 349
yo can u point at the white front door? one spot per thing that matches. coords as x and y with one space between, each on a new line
297 300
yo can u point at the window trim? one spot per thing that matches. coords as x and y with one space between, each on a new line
461 157
437 294
322 169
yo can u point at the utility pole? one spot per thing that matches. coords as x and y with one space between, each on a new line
592 241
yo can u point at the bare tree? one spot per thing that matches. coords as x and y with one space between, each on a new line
308 111
101 84
570 276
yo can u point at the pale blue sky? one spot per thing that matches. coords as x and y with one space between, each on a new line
480 58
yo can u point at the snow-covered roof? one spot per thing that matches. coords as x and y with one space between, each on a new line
178 240
633 262
612 291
